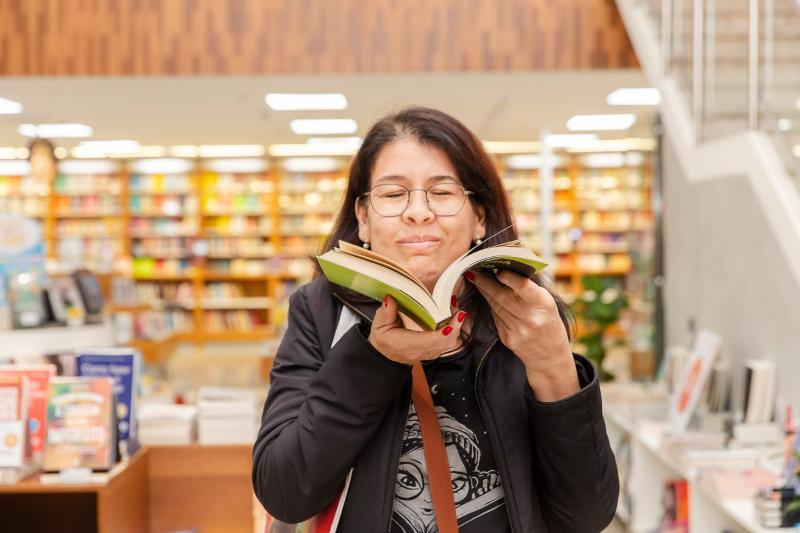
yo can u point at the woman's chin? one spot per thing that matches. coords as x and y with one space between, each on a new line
425 274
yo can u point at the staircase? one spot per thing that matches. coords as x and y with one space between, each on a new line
729 76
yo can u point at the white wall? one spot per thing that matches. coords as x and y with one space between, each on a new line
725 268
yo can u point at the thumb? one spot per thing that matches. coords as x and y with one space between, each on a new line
386 314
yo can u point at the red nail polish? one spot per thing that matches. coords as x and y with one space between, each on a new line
461 316
446 331
453 301
469 275
386 301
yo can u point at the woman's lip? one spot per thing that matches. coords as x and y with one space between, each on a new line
420 245
424 238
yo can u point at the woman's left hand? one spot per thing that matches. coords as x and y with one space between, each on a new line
527 320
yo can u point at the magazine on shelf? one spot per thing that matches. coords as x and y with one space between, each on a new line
375 276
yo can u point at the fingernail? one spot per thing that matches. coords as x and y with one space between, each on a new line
386 301
453 301
461 316
469 275
446 331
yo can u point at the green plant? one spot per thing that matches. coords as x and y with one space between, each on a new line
598 307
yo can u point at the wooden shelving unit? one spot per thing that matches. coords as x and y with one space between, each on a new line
595 210
228 240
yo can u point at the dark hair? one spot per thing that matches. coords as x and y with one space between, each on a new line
474 167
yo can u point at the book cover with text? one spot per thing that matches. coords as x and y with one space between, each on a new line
123 365
80 424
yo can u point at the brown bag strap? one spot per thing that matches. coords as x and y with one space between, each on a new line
444 505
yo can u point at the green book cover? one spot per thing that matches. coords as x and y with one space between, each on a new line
374 276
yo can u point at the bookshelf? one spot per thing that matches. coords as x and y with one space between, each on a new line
24 195
86 229
163 220
205 250
308 204
637 429
599 206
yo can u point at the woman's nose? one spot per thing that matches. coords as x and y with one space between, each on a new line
417 209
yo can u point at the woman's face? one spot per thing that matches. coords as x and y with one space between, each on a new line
418 239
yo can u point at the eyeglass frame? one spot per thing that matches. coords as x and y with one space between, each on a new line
408 199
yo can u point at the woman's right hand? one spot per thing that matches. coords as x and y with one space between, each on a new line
397 343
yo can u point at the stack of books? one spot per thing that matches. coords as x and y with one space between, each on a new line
227 415
166 424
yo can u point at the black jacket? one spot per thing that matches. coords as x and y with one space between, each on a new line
330 409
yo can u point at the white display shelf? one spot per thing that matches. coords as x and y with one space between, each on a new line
650 467
33 342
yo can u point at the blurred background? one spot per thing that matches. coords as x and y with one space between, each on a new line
167 168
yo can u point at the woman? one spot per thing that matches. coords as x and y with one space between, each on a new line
529 447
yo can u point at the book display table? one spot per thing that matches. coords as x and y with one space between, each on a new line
161 488
118 504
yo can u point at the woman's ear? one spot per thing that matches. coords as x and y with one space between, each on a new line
480 224
361 208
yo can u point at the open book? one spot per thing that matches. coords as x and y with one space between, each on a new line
375 276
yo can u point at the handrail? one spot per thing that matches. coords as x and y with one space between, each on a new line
761 109
698 67
753 65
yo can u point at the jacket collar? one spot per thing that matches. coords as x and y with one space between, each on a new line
483 335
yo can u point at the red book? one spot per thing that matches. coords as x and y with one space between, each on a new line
326 521
38 381
13 398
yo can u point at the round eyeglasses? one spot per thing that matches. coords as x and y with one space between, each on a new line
391 200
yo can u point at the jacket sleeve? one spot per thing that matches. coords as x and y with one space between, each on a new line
576 472
319 414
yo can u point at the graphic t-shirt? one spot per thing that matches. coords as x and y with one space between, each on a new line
479 499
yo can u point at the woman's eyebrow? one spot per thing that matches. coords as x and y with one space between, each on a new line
398 177
390 177
443 177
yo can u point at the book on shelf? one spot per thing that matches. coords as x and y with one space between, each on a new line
124 366
691 383
13 475
375 276
675 500
38 377
718 391
737 484
759 391
81 426
14 440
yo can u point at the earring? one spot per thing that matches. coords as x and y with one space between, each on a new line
366 245
478 242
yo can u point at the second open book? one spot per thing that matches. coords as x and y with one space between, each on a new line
375 276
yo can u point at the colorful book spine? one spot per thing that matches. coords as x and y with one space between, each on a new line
123 365
38 382
81 430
